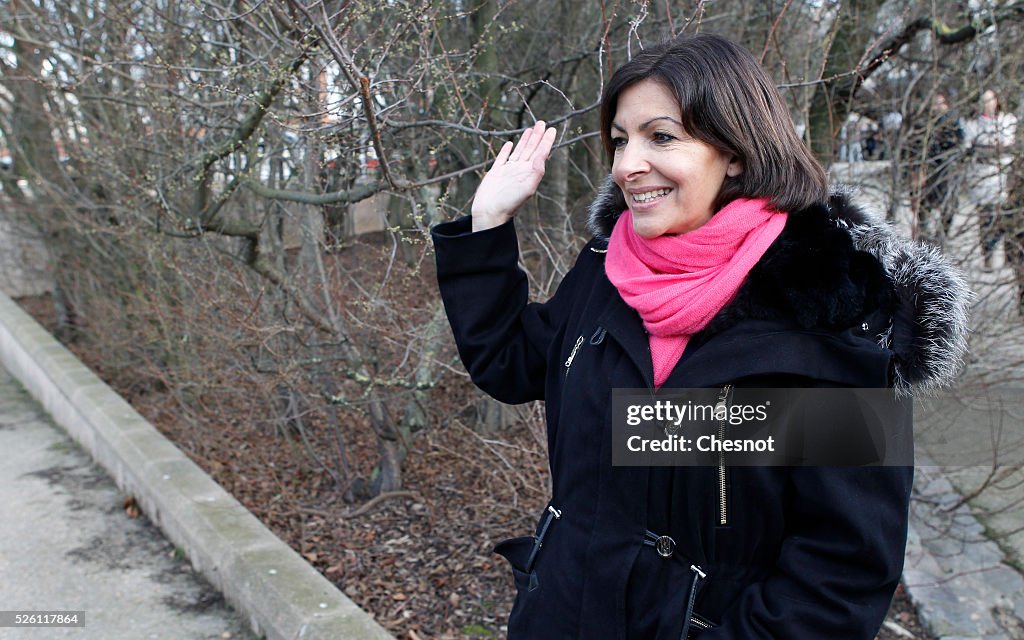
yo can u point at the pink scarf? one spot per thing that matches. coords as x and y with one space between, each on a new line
677 283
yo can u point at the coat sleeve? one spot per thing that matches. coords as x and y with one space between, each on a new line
503 339
840 563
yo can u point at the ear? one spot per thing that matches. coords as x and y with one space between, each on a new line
735 167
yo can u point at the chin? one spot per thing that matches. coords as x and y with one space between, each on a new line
647 231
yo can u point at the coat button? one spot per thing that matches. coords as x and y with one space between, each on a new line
665 546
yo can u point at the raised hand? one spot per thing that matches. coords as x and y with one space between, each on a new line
513 177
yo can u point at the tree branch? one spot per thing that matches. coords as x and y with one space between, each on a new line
248 126
360 82
943 33
363 192
355 194
501 133
259 263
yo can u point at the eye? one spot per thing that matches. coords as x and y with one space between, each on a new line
618 142
660 137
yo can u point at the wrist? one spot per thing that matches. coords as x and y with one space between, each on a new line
483 221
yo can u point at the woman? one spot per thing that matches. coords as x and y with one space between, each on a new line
990 138
718 260
940 182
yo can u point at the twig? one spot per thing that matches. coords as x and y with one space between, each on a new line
372 503
490 133
371 120
359 81
771 34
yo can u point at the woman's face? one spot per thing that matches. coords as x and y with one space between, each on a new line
989 103
669 179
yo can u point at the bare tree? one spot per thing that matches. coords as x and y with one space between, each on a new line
195 170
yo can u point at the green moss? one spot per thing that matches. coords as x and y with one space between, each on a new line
60 446
477 631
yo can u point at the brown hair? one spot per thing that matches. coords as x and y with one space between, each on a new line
729 102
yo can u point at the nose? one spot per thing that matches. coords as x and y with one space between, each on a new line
629 163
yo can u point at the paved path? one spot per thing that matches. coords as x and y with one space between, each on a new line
67 544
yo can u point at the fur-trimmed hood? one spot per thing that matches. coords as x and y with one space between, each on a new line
837 265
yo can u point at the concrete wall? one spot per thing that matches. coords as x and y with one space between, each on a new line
24 261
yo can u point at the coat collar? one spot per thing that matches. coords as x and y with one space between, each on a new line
836 266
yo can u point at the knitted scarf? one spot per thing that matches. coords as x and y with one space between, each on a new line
678 283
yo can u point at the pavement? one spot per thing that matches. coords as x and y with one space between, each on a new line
67 544
957 576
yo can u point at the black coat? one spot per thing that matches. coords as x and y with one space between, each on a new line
788 552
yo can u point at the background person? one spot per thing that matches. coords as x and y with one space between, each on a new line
718 260
989 138
941 176
1013 240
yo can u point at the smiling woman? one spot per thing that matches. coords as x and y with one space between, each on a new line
669 179
719 260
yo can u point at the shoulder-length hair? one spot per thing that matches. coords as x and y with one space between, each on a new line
729 102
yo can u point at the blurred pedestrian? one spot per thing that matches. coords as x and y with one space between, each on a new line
989 139
1013 238
940 179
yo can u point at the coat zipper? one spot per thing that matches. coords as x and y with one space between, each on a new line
576 347
722 408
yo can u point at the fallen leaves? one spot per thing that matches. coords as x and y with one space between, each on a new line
131 507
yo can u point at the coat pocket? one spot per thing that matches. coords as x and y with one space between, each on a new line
518 551
698 625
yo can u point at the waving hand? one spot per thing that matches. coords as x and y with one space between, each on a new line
513 178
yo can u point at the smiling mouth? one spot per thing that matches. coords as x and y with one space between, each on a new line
648 196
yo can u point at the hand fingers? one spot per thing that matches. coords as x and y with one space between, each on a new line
530 146
544 146
534 145
503 154
524 141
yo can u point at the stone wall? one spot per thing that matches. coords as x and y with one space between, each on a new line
24 261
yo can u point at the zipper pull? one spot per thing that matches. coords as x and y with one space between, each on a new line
699 622
538 541
698 575
722 408
568 363
598 336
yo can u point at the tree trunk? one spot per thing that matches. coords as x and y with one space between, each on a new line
831 103
492 416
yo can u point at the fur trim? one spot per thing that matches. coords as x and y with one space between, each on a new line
931 326
606 208
820 273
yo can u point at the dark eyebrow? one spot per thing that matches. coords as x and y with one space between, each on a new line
648 123
653 120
